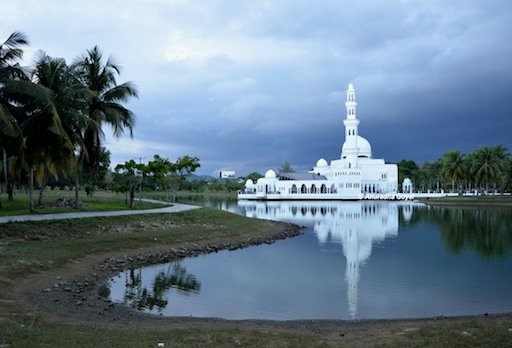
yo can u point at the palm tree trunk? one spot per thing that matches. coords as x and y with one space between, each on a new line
132 196
77 186
30 190
77 191
43 184
8 183
6 177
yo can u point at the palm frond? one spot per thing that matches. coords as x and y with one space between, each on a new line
121 93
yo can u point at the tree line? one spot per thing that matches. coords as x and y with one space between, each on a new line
52 114
160 174
486 169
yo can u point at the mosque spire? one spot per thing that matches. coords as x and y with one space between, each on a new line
351 103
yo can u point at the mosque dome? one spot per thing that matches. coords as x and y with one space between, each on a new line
270 174
249 182
322 163
364 147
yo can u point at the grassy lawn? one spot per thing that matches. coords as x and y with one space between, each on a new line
502 200
33 246
35 333
100 201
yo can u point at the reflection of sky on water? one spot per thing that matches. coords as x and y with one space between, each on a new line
351 262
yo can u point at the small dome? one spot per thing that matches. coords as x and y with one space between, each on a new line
322 163
364 148
270 174
249 182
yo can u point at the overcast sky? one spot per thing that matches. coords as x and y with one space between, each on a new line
248 85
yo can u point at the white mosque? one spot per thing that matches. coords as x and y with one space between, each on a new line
351 177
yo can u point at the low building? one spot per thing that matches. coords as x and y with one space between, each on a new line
227 174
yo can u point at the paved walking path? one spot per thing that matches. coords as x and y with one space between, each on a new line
176 207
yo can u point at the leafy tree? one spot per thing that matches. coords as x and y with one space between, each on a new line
184 166
407 169
254 176
129 178
428 177
159 169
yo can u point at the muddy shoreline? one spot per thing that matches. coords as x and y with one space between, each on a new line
76 291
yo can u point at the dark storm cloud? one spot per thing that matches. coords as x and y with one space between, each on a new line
250 85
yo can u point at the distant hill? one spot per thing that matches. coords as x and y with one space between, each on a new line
193 177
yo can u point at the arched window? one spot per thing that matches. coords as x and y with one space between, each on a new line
303 189
313 188
294 188
333 188
323 189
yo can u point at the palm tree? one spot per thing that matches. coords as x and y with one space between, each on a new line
453 167
501 156
286 167
11 140
67 121
10 54
488 165
48 145
105 107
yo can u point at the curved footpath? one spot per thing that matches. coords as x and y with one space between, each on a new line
176 207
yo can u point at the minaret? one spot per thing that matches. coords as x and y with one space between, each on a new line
351 123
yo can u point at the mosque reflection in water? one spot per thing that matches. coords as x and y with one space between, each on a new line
356 226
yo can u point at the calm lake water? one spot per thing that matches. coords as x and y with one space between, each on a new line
355 260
